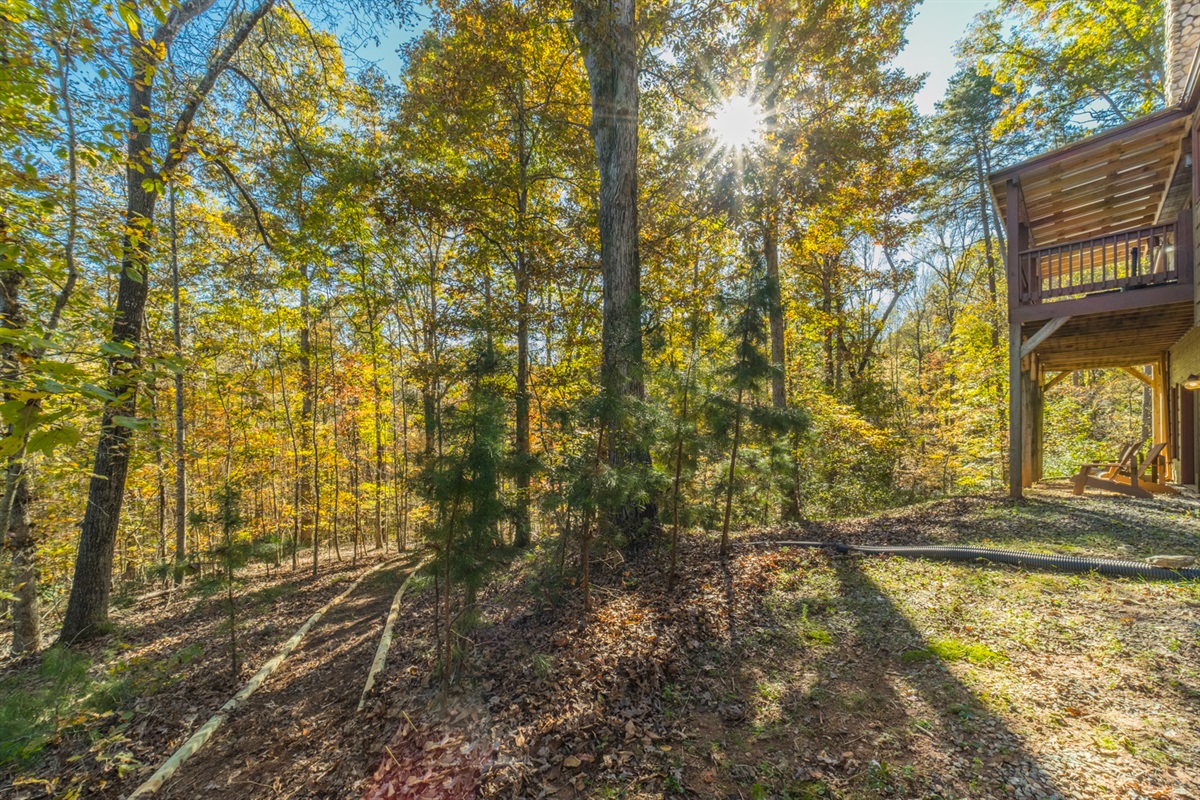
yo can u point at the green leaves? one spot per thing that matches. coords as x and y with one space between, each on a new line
1066 67
118 349
44 441
128 14
133 423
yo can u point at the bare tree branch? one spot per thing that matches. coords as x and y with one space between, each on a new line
267 103
245 193
175 151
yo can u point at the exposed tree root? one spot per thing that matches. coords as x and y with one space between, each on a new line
201 736
385 641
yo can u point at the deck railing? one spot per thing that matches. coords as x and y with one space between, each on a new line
1139 257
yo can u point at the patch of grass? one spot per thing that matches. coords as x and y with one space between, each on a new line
819 635
807 790
857 700
813 632
34 706
770 690
543 665
916 656
140 677
419 583
976 653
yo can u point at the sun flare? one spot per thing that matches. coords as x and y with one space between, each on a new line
736 122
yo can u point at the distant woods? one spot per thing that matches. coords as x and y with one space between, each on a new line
509 289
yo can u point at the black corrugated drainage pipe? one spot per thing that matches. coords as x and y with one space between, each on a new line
1017 558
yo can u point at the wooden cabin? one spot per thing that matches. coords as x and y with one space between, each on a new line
1101 251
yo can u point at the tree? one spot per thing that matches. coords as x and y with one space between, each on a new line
608 36
1065 67
146 177
27 109
751 369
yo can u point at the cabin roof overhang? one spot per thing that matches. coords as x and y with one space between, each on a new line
1131 176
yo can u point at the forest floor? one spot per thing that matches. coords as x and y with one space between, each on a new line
781 673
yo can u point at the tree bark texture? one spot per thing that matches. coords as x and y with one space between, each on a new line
607 31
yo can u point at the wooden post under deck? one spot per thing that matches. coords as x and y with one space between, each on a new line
1160 411
1017 241
1039 421
1187 436
1029 424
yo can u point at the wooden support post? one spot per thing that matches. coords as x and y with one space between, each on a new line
1014 409
1039 422
1187 436
1161 424
1016 242
1029 424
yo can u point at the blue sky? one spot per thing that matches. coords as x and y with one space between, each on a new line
931 37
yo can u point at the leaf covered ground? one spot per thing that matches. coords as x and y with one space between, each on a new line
784 672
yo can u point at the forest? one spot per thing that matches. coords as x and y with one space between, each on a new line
292 283
526 398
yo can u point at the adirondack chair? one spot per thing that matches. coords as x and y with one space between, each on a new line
1126 476
1128 454
1105 475
1150 482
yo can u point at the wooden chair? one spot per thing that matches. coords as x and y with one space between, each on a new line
1150 482
1105 476
1128 452
1126 476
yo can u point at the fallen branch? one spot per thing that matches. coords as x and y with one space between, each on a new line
201 737
385 641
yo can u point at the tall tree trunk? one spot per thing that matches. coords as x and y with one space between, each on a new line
827 314
22 543
297 468
522 532
430 388
180 431
790 510
91 585
607 31
396 518
316 469
377 416
693 341
733 454
775 314
771 212
354 481
404 488
333 433
160 481
988 248
304 487
14 513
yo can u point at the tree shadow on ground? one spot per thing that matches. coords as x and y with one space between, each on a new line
838 694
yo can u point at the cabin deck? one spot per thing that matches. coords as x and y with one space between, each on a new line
1100 254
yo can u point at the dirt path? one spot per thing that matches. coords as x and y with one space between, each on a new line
299 735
